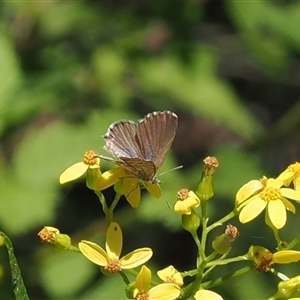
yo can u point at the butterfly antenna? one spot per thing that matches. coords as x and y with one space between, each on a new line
176 168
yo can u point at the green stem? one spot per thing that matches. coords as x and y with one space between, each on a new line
74 249
102 201
218 281
226 218
277 238
16 277
125 278
221 262
204 228
293 243
108 211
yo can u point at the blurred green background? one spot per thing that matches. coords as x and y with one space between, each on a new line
68 69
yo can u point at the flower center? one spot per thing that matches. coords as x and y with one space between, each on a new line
142 296
170 280
90 158
182 194
270 193
114 266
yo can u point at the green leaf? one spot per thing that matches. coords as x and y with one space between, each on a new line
17 281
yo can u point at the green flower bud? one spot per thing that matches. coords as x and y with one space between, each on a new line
129 290
287 288
205 189
190 222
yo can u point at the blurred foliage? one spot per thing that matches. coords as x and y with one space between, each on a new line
229 69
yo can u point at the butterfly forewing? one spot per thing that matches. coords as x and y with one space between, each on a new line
121 140
157 132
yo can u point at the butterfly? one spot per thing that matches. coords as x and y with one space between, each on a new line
141 148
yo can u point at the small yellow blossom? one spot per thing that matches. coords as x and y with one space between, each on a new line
207 295
256 195
109 259
186 201
163 291
77 170
95 179
291 173
132 190
170 274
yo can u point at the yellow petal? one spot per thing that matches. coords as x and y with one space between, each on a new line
252 210
291 194
73 172
288 205
110 178
94 253
164 291
166 273
170 273
114 240
275 183
182 208
286 176
136 258
277 213
154 189
143 279
132 191
207 295
248 190
286 256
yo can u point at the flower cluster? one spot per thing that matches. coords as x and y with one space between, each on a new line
277 196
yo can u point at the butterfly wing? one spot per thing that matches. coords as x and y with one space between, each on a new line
121 140
142 169
155 135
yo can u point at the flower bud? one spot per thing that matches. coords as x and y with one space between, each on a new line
205 189
52 235
222 243
129 290
288 287
190 222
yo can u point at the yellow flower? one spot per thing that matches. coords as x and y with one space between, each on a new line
256 195
170 274
291 173
109 259
163 291
94 178
132 190
186 201
77 170
207 295
264 259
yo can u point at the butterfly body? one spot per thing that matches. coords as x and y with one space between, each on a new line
142 148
